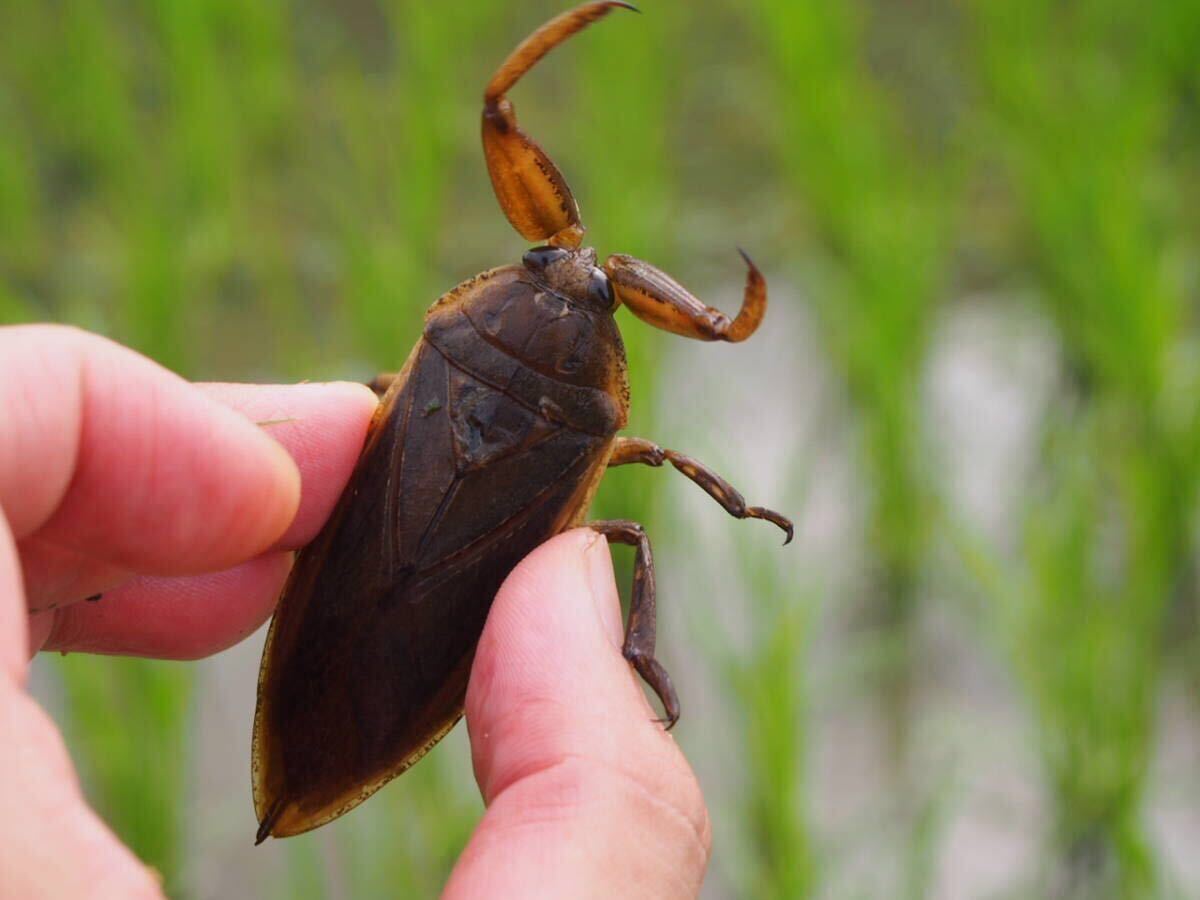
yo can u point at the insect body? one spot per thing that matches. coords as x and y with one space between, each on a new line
492 438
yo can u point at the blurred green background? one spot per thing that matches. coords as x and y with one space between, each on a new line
978 673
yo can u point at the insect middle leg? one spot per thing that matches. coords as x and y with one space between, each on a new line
642 627
637 450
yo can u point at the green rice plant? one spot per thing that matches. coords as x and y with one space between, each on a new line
879 207
227 70
404 842
132 716
306 876
397 130
1095 694
65 125
1078 106
17 203
424 822
1081 615
767 683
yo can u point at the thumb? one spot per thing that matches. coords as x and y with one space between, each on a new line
586 794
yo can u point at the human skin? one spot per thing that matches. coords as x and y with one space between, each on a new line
118 477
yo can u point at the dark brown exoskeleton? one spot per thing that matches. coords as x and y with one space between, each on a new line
492 438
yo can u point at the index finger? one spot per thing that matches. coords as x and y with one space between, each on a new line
108 454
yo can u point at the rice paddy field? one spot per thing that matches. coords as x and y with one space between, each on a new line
976 673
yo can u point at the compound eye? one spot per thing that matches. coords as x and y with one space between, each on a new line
540 257
600 289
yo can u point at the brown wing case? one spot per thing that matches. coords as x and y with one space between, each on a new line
368 655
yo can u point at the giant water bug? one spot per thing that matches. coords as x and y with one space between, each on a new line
492 438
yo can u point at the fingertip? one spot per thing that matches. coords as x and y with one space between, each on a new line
245 493
350 401
106 451
283 488
322 427
354 392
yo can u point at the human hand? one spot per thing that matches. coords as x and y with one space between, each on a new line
117 477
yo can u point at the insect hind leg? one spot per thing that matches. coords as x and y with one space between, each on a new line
642 627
